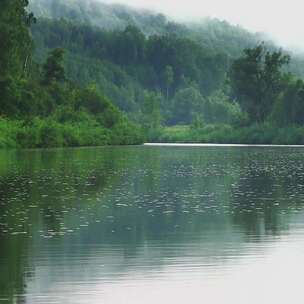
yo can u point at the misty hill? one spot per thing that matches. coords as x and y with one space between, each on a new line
194 78
127 52
106 16
211 33
220 36
125 63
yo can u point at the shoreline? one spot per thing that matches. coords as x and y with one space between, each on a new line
219 145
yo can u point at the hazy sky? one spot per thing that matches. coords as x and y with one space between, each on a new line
283 20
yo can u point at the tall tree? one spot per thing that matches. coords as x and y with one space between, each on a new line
151 110
288 108
187 103
168 78
256 80
53 69
16 43
15 51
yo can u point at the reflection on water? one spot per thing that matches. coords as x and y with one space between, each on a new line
152 224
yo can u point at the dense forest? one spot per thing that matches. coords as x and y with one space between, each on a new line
39 105
78 73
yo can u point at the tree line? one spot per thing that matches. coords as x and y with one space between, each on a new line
129 66
39 105
69 84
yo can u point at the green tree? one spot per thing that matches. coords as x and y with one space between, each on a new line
187 103
256 80
289 106
218 108
130 46
168 78
197 122
151 111
53 69
15 51
16 43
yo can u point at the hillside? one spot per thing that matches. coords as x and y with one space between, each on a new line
40 105
137 57
101 40
126 63
214 34
105 16
211 33
86 73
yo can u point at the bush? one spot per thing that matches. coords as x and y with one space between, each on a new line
8 133
255 134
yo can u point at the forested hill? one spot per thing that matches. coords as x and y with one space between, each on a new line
126 65
106 16
157 71
210 33
69 73
40 106
214 34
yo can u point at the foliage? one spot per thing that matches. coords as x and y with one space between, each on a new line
15 50
125 63
187 102
14 37
53 70
256 80
190 79
288 107
168 78
87 83
43 133
45 109
225 134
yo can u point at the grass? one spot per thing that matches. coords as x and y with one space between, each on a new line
226 134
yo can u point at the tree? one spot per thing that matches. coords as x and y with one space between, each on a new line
187 103
288 108
151 111
218 108
197 122
130 46
16 43
53 69
256 80
15 52
168 78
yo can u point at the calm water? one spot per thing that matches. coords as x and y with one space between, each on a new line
132 225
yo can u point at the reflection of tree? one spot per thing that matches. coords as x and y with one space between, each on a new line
130 198
250 205
56 182
261 197
37 190
13 264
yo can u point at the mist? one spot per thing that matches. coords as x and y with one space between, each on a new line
282 21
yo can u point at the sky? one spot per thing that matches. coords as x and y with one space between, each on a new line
282 20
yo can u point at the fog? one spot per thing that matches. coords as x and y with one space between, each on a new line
283 21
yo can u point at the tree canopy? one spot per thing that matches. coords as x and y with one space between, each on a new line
257 79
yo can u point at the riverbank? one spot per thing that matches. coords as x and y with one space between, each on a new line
48 133
265 134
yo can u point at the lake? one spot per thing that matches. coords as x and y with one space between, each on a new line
130 225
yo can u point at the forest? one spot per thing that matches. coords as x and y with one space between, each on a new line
77 76
39 105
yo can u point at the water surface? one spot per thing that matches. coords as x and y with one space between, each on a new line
152 225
